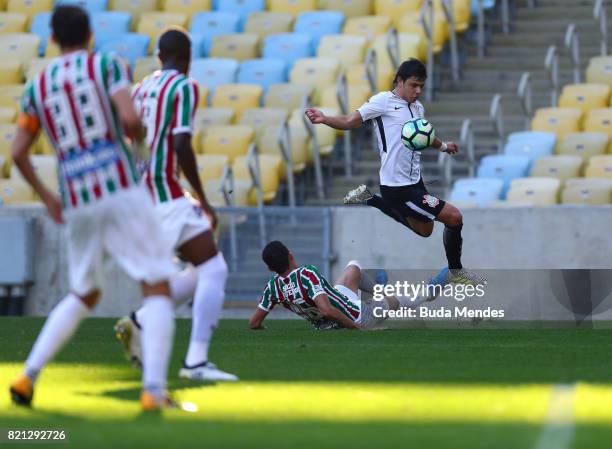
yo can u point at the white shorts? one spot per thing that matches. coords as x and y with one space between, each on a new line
125 227
182 220
367 319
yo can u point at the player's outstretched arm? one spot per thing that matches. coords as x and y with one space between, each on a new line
329 311
122 99
342 122
445 147
257 319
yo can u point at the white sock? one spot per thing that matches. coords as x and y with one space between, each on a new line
61 324
157 322
182 288
207 307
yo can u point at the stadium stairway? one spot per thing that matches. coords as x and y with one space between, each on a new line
507 58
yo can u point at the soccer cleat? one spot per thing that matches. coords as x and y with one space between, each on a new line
463 276
128 334
381 277
150 403
206 371
22 391
436 284
359 195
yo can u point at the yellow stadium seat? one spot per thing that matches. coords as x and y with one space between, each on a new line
599 167
560 121
269 167
356 74
585 144
145 66
599 120
10 95
240 46
35 66
8 115
189 7
265 23
10 72
462 12
13 22
396 8
347 49
135 7
7 136
287 96
317 73
52 50
45 167
410 23
154 24
5 166
14 191
268 143
240 194
43 145
229 140
358 94
534 191
411 45
592 191
207 117
29 7
585 96
326 136
211 166
293 7
350 8
18 47
599 71
561 167
237 97
367 26
260 118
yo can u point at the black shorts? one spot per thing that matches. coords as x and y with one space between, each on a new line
413 201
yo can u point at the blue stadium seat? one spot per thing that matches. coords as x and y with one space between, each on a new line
211 24
241 7
288 47
212 72
318 24
505 168
533 135
91 6
532 144
41 26
130 46
110 23
487 5
482 191
264 72
197 45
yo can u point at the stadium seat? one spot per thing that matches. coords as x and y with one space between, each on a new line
8 115
287 46
197 45
7 135
14 191
462 12
188 7
599 71
293 7
214 23
410 23
260 118
91 6
356 74
153 24
207 117
269 168
134 7
591 191
395 8
287 96
266 23
237 97
317 24
481 191
358 94
559 121
560 166
585 96
349 8
599 167
240 46
130 46
240 194
110 23
268 143
29 7
19 47
531 144
543 137
367 26
10 95
599 120
585 144
5 166
12 22
241 7
145 66
229 140
10 72
317 73
45 167
211 166
534 191
211 72
411 45
43 145
264 72
346 49
503 167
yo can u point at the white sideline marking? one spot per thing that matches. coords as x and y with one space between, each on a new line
558 431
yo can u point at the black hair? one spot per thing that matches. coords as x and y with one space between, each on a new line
276 256
409 69
70 26
175 44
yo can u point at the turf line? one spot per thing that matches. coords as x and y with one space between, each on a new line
558 431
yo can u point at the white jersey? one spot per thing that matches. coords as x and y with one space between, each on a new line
400 166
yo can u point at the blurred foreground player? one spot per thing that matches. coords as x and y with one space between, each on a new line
83 102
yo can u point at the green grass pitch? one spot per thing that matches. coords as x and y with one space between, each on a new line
302 388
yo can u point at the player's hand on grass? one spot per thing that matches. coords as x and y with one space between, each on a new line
452 148
53 203
315 116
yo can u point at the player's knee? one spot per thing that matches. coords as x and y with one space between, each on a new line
91 299
454 218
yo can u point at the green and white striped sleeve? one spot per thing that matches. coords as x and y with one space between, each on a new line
267 300
186 105
117 74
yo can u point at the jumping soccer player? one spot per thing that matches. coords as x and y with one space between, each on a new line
404 196
83 102
304 291
166 102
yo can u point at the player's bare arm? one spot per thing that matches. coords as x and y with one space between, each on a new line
255 323
329 311
342 122
446 147
122 99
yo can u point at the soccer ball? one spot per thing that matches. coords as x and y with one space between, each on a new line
418 134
